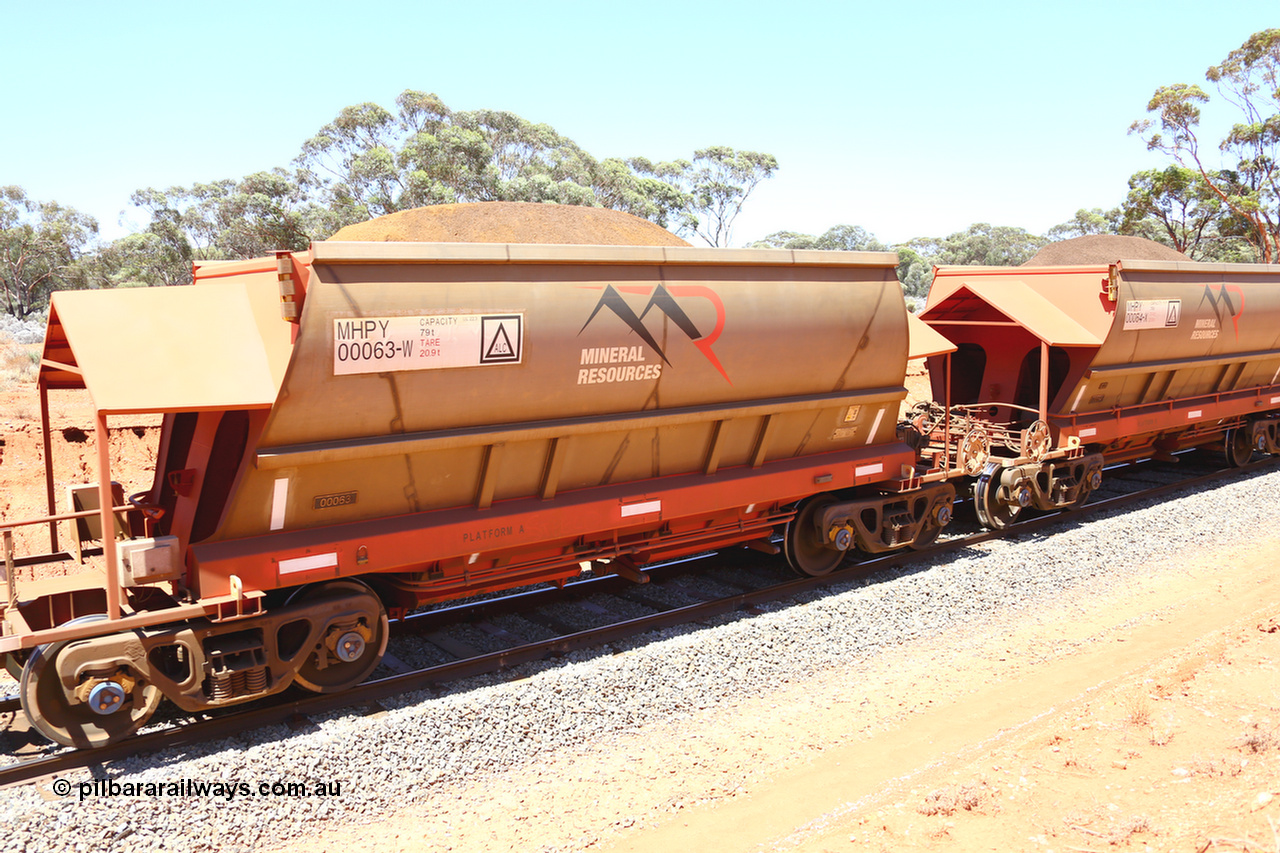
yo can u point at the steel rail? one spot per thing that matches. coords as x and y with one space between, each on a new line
234 723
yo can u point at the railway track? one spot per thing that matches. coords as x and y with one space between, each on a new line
449 631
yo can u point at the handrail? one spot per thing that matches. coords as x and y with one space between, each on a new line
10 564
10 582
66 516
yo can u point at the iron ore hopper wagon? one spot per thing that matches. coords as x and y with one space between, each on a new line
1059 370
355 430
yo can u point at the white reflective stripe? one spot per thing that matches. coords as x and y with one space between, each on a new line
474 557
279 498
864 470
1076 401
305 564
875 426
1194 413
641 508
1085 433
1275 400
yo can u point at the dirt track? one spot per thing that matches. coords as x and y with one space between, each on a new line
1160 732
1147 719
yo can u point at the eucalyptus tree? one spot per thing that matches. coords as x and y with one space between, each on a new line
1175 207
848 238
980 244
1248 184
220 220
42 246
370 161
714 186
1084 223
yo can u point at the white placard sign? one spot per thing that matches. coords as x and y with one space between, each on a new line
382 344
1152 313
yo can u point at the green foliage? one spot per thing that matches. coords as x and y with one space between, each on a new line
915 272
785 240
1249 187
847 238
143 259
981 244
850 238
622 186
369 162
718 186
19 363
1085 222
1175 207
713 187
41 247
220 220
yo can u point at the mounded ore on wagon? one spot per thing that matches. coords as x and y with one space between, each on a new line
511 222
1103 249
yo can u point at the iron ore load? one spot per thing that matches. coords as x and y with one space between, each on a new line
354 430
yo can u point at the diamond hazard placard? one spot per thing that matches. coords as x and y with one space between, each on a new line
500 339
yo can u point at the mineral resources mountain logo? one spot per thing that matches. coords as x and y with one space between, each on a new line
1222 303
662 299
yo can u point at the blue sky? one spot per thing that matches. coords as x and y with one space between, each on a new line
909 119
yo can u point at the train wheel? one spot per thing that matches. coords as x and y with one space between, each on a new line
928 535
113 706
940 517
1238 447
348 651
803 543
1093 483
1081 499
993 512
